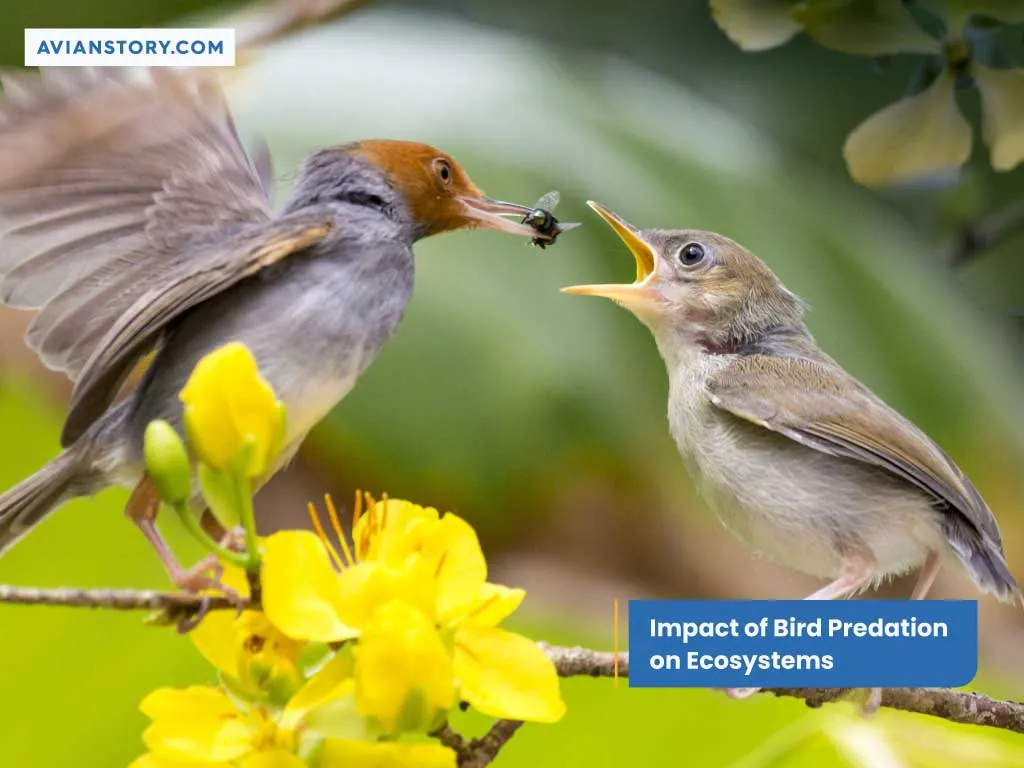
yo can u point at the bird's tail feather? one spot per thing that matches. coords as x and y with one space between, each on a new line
25 505
985 562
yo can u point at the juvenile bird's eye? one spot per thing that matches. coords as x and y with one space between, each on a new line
691 254
444 171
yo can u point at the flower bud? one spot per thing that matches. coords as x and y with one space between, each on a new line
233 419
167 462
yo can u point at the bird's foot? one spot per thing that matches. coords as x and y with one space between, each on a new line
873 701
234 540
204 576
740 693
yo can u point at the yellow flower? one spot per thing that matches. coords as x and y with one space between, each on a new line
233 419
404 677
361 754
256 659
407 553
203 726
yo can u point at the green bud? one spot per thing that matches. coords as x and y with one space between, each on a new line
167 462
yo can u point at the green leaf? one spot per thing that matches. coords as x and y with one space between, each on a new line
864 27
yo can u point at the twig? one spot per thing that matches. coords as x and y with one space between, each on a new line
481 752
985 233
955 706
947 704
179 608
273 20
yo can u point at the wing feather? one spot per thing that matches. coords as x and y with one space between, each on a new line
139 327
108 181
822 407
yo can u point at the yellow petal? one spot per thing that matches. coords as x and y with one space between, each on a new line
151 760
865 27
338 753
301 591
215 636
404 677
368 586
755 25
1002 109
503 674
332 680
227 404
461 568
915 137
196 701
200 723
382 534
490 606
277 758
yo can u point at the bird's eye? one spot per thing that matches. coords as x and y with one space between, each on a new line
444 171
691 254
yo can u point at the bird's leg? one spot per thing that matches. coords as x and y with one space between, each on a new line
855 576
142 508
925 579
233 540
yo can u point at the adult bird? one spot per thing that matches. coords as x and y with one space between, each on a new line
133 221
800 460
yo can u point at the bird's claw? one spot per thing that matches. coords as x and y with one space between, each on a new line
873 701
189 622
738 694
205 576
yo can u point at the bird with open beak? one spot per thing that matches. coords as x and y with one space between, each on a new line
800 460
144 226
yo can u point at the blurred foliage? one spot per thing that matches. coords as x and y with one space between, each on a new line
504 400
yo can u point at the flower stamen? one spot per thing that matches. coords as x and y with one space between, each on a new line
336 524
323 537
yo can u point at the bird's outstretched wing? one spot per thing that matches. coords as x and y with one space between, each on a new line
206 272
139 170
115 187
824 408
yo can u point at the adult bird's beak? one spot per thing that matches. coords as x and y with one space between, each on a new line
631 295
486 213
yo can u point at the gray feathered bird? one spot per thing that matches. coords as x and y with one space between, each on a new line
132 220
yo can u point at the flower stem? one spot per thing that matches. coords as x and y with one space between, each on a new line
243 496
191 523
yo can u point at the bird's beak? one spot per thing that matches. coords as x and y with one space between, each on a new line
631 295
486 214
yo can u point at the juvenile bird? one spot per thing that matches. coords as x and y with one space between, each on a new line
800 460
144 225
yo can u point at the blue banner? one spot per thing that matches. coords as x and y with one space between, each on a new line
802 643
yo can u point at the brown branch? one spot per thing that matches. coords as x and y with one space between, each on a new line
955 706
273 20
178 608
481 752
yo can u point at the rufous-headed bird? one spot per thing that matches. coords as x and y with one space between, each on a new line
145 226
799 459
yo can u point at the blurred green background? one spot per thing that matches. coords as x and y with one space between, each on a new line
538 416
